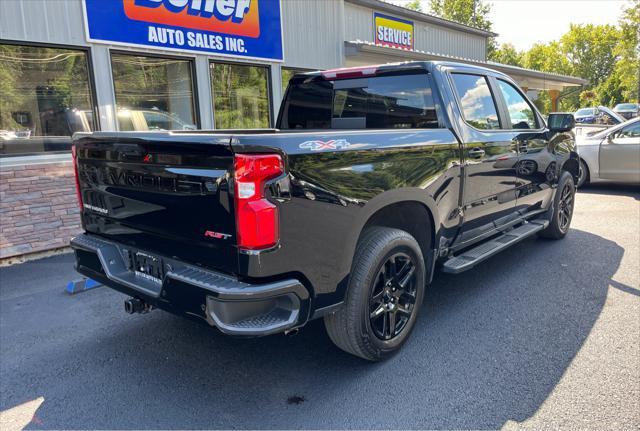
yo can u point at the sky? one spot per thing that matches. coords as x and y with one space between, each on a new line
525 22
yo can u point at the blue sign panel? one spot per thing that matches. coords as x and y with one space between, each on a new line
239 28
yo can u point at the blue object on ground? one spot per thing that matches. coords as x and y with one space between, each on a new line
74 287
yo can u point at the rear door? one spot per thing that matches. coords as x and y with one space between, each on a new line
620 154
160 192
490 155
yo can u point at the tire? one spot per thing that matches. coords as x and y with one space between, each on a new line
363 326
583 179
563 204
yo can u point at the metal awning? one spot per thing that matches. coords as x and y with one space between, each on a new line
362 53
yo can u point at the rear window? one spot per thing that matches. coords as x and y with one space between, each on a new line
381 102
585 112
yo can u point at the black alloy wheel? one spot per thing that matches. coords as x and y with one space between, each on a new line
565 207
386 287
393 296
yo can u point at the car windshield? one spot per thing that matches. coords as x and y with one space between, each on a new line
603 134
626 107
585 111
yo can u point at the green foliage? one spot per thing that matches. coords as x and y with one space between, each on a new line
508 54
605 55
588 97
591 51
240 96
41 82
548 58
474 13
414 5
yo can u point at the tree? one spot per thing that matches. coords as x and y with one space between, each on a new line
508 54
473 13
547 58
625 78
414 5
591 50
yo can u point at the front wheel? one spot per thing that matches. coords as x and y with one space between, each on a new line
562 208
385 293
583 179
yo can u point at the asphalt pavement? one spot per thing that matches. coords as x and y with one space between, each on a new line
544 335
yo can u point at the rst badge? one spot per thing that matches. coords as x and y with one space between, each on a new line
216 235
333 144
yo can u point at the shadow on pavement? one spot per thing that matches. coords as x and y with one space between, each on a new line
490 346
631 190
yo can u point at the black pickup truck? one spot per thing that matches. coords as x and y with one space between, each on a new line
373 178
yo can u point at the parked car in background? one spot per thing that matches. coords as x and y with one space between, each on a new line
142 120
600 115
611 155
627 110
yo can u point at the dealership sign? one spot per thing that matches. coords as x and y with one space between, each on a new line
392 31
239 28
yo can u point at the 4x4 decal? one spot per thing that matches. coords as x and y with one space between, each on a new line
333 144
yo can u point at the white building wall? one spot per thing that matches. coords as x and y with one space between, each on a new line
313 33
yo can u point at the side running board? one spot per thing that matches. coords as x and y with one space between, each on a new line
474 256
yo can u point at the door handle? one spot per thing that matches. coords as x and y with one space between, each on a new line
476 153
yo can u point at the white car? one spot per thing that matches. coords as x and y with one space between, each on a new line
611 155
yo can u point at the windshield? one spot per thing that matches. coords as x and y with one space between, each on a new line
585 111
603 134
626 107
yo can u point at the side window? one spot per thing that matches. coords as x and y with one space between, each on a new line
520 112
631 131
478 106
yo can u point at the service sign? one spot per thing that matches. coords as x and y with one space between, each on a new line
392 31
239 28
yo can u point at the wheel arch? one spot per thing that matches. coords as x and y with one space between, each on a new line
402 209
572 166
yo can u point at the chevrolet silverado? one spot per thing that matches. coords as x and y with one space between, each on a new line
373 179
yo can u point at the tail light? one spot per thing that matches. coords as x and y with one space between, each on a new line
257 222
74 156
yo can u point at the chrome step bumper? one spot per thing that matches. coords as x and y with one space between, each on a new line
233 306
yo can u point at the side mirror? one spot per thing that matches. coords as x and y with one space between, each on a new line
561 122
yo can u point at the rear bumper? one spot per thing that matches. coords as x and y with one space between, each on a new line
234 307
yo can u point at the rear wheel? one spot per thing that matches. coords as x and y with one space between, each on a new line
562 208
384 296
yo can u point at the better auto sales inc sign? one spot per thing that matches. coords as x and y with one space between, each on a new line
239 28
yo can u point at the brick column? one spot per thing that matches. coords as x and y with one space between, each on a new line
38 208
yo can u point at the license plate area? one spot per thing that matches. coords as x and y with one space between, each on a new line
145 265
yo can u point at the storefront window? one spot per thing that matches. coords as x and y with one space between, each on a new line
153 93
240 96
45 97
287 73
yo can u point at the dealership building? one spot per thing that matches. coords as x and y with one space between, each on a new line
138 65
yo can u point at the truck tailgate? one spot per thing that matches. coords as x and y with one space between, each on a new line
163 193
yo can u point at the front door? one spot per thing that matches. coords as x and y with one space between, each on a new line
536 168
620 154
490 157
